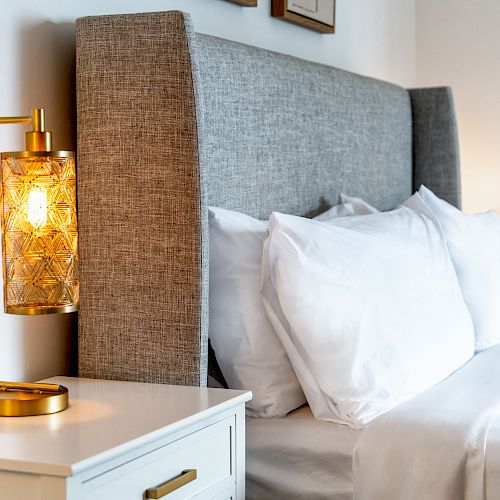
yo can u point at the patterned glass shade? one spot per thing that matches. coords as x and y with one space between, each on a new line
39 232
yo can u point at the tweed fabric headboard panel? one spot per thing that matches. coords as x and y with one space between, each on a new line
171 122
435 143
284 134
139 202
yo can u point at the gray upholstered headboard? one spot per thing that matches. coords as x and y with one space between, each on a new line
170 122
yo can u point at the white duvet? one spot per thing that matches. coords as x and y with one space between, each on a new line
444 444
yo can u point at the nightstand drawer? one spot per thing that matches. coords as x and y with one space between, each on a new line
209 451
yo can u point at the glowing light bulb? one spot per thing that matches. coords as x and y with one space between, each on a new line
37 207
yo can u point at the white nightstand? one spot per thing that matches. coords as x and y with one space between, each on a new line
117 439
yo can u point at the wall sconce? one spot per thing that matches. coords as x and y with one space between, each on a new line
39 247
39 226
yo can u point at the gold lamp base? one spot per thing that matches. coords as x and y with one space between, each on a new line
23 399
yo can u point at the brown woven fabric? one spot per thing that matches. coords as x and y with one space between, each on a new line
139 202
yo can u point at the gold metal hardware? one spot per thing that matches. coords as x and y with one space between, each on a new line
38 154
173 484
15 119
35 310
27 386
38 139
25 399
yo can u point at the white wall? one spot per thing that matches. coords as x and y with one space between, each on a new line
374 37
458 44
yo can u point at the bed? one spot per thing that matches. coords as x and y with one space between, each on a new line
171 122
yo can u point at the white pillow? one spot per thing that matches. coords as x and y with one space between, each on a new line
360 206
368 308
343 209
247 349
474 244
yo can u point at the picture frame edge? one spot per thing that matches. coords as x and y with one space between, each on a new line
279 11
244 3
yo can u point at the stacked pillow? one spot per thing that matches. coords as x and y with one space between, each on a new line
248 351
474 244
361 312
369 309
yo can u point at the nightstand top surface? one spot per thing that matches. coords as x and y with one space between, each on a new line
105 417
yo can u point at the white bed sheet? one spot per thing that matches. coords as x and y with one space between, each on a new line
492 461
444 444
298 457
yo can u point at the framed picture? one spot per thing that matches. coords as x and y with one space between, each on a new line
318 15
245 3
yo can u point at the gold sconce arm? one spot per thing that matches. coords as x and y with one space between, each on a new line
38 139
14 119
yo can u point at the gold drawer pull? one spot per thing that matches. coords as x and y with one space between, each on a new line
173 484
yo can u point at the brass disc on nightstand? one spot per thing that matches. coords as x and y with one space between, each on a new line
23 400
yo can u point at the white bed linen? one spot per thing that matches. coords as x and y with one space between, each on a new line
298 457
492 474
368 309
437 446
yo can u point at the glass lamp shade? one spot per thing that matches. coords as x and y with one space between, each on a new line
39 232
